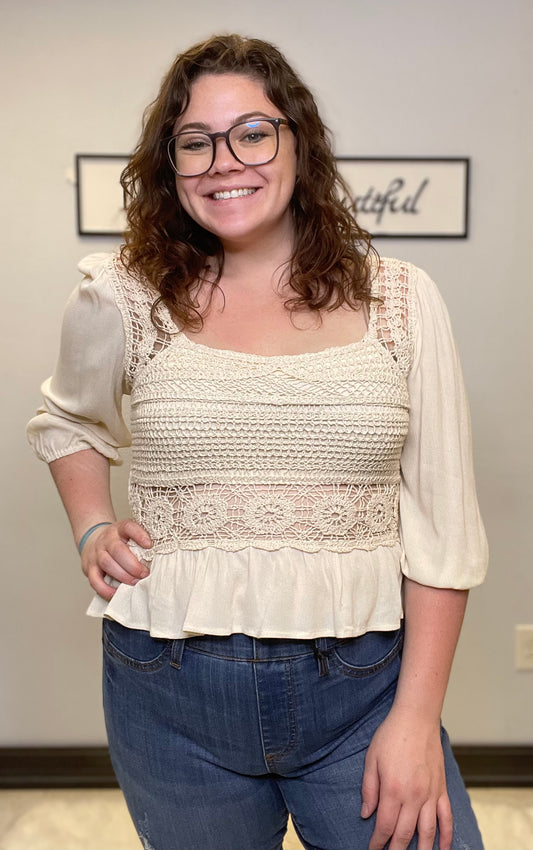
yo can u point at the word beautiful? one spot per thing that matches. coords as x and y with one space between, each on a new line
392 200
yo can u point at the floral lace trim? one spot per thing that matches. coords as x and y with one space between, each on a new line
338 518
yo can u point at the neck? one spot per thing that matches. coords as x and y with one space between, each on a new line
259 258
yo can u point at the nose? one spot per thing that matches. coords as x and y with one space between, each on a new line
224 160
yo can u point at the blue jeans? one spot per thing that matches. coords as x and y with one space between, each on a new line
215 739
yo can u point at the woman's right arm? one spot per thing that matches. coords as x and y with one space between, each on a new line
80 427
82 479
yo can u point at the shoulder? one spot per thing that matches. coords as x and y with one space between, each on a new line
401 283
92 301
395 277
94 266
395 283
106 277
412 302
406 289
394 274
147 324
109 269
408 305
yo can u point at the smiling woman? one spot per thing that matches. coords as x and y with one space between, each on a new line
281 609
244 203
173 249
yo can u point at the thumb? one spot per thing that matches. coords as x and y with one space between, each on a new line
370 788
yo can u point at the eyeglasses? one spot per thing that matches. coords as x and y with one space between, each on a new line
193 152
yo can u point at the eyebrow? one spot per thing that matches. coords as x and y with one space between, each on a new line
200 125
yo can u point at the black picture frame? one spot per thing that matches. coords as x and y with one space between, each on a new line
410 197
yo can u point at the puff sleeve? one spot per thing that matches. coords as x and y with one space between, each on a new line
441 531
82 401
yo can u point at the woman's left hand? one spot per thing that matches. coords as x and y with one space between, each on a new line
405 784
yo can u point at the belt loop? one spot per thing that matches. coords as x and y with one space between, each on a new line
321 653
176 653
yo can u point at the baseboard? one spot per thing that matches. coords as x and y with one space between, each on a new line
495 766
90 767
56 767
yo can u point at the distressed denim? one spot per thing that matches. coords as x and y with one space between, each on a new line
215 740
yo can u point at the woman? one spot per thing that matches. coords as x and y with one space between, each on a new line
301 460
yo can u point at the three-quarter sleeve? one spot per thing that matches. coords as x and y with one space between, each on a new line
82 401
442 534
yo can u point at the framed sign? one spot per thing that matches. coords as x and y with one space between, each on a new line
100 198
409 197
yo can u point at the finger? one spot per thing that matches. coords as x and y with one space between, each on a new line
108 568
99 585
130 530
121 564
445 821
386 820
427 826
404 829
370 787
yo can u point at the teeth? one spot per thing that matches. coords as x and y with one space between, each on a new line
235 193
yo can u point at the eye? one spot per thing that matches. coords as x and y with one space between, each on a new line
253 132
189 143
253 136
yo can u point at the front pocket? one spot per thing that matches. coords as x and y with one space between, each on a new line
367 654
134 647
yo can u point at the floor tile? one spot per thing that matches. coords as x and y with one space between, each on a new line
98 820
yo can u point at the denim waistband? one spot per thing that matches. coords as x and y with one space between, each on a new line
243 647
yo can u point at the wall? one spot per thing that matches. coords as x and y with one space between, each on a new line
392 78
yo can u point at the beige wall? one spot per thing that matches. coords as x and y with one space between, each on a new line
393 78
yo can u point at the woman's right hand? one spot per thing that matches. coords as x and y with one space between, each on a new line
106 553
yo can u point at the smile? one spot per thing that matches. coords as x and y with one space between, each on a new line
235 193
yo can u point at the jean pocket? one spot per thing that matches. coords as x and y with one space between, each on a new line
367 654
134 647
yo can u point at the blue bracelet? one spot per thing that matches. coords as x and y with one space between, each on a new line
89 531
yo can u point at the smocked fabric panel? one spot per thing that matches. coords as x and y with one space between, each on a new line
234 450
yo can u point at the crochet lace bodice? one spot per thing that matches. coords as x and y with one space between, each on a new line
234 450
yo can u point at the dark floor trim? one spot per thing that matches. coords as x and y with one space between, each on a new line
495 766
56 767
90 767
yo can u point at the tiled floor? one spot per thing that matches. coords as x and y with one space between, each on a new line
98 820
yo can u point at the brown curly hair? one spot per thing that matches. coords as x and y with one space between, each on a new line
166 247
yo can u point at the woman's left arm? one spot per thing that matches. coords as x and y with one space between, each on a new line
444 554
404 775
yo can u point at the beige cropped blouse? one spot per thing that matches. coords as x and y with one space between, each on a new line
285 495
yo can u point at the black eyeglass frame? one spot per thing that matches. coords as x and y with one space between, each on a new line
225 135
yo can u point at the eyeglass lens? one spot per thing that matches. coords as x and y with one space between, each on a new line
252 143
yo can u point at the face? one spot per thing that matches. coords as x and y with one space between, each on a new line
217 102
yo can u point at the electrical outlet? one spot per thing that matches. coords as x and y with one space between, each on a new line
523 650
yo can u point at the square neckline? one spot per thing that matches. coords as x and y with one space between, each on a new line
330 349
369 335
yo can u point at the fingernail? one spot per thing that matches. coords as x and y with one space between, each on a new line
365 810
